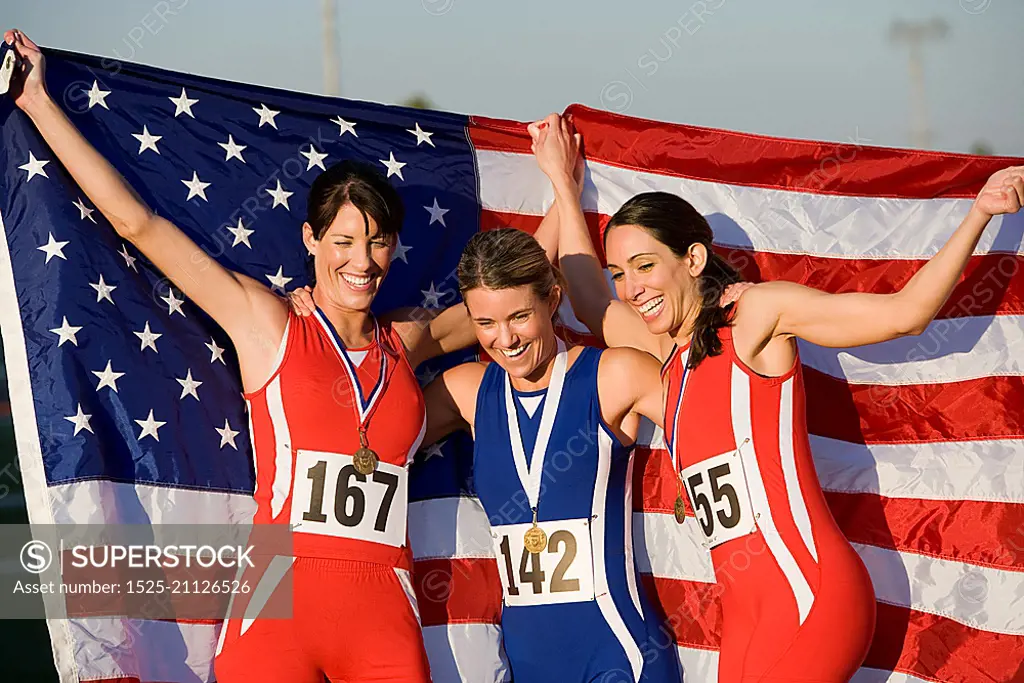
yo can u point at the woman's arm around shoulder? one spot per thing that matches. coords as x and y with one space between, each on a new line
451 400
629 381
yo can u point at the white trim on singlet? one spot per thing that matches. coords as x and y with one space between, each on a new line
627 520
282 448
797 504
276 570
605 602
405 579
419 440
252 443
743 432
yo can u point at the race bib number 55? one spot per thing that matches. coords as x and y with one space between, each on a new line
329 497
562 572
721 503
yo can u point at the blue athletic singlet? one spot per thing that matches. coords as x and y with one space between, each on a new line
575 612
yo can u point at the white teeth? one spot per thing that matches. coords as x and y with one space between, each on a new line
357 281
514 353
651 305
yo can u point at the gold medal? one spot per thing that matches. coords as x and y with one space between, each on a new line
365 461
680 510
535 540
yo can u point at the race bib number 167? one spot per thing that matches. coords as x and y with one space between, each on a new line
331 498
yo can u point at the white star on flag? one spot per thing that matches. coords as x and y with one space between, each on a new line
279 280
80 420
218 352
103 290
394 166
266 115
98 96
241 234
148 338
196 187
426 376
150 427
421 135
431 297
435 449
83 210
108 378
66 332
436 213
188 386
227 435
173 303
53 248
147 140
400 251
315 158
128 258
182 104
34 167
345 126
232 149
280 196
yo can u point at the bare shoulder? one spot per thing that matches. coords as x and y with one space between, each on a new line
624 366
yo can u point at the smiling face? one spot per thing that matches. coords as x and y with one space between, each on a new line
514 326
660 286
350 259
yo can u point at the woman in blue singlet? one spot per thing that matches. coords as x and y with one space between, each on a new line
553 427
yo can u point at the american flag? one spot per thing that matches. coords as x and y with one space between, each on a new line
126 397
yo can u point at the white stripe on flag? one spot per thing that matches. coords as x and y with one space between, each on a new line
949 350
944 470
160 650
869 675
766 220
108 502
449 528
460 653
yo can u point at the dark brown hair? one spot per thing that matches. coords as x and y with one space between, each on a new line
359 184
674 222
504 259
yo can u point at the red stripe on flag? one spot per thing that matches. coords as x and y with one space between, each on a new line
914 413
721 156
989 285
978 532
454 591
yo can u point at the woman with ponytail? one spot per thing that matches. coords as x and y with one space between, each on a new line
734 408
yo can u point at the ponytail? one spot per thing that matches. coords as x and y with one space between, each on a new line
711 283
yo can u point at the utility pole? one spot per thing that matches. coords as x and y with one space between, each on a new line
915 35
329 11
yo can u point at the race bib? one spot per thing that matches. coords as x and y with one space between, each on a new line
330 498
718 491
562 572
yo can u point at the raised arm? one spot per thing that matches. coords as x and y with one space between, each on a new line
614 322
249 312
429 333
784 309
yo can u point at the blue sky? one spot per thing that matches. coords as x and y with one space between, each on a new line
794 68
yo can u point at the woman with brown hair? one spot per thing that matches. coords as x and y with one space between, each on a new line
734 412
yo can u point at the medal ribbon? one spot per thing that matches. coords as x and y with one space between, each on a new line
363 412
530 474
673 440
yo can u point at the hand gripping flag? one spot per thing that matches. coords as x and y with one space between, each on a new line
126 397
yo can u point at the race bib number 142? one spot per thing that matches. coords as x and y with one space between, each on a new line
562 572
331 498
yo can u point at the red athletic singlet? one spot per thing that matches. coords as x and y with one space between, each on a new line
797 602
305 429
354 614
